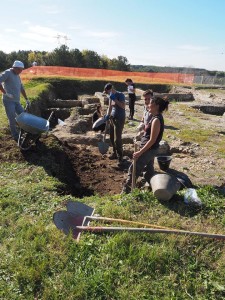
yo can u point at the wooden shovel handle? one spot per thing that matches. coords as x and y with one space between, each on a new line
134 169
126 222
149 230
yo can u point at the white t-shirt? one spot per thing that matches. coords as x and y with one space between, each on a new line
130 88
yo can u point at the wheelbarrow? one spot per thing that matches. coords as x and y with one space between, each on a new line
31 127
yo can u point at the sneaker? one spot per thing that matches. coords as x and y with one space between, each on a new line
113 156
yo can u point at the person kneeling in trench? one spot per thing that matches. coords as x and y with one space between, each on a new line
96 115
149 146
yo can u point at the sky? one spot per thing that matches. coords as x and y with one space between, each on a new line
174 33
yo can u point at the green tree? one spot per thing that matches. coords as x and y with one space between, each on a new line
105 62
3 61
21 55
120 63
37 56
91 59
76 58
60 57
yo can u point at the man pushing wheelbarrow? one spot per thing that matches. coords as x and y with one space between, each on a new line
11 87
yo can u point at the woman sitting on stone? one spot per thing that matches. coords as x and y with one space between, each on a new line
149 142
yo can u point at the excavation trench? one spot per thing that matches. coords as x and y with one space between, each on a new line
82 170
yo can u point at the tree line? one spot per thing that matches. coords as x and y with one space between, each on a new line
63 56
185 70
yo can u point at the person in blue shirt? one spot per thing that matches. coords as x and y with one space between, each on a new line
11 88
116 114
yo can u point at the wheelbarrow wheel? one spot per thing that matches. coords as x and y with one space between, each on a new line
26 140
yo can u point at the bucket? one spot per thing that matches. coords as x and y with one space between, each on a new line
164 186
164 162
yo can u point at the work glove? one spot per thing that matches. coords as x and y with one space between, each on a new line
9 95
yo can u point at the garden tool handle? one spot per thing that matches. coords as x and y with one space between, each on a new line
134 168
97 218
148 230
106 125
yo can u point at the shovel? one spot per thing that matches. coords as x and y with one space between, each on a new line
85 212
133 184
103 146
69 222
81 209
63 221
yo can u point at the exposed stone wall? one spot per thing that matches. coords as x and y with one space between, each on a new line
210 109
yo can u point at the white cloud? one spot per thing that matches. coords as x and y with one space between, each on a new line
26 22
193 48
10 30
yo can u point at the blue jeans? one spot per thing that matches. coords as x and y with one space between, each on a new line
12 109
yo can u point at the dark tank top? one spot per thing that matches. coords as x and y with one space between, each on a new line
146 135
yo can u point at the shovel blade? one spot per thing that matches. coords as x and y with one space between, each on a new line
80 209
67 222
103 147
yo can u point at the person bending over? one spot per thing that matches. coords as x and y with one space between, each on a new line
96 115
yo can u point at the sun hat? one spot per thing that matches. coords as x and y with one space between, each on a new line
18 64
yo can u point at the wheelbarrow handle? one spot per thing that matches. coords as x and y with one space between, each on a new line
49 118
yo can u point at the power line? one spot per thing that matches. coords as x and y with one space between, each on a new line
64 37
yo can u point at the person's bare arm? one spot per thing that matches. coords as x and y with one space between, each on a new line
155 129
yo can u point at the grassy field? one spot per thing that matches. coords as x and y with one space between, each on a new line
40 262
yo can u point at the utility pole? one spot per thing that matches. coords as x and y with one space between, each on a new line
59 37
66 39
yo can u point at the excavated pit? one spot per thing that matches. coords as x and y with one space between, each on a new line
80 167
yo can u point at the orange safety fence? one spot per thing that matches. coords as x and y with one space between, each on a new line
103 74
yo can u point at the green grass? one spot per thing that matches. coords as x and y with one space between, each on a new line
37 260
40 262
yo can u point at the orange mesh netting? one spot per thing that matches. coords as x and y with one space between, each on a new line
141 77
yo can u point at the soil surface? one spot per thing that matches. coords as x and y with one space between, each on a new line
84 171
